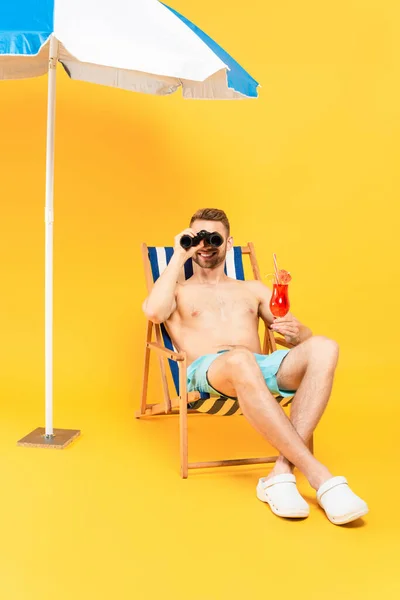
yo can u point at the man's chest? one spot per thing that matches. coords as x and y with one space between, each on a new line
217 304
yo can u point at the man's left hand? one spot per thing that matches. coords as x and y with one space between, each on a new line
289 327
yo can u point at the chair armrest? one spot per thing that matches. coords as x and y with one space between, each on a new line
283 342
165 352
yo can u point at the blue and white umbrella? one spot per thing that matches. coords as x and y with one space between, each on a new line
138 45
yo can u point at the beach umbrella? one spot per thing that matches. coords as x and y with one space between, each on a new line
137 45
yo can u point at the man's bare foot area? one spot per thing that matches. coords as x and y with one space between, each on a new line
282 467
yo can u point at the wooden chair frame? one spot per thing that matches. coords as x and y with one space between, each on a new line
180 403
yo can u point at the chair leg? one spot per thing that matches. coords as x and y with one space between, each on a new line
311 444
183 424
143 402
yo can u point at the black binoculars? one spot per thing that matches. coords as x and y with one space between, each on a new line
212 239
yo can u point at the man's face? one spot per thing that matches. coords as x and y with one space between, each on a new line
209 257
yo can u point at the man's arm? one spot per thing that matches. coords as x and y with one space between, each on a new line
293 331
161 302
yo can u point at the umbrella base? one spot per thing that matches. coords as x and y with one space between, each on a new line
60 439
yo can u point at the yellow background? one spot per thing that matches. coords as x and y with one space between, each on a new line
309 171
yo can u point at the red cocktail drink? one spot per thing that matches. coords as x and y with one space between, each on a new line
279 303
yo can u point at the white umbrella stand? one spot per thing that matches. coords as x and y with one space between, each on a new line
48 437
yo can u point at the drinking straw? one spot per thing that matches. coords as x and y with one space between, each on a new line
276 269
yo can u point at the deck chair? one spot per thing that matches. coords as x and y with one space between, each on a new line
155 261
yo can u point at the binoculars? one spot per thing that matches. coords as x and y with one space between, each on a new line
212 239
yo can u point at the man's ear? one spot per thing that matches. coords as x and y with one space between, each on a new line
229 243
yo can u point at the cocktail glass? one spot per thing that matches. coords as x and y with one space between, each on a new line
279 304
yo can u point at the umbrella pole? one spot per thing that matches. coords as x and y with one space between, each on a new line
49 437
49 220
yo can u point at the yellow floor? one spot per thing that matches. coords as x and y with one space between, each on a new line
109 517
308 171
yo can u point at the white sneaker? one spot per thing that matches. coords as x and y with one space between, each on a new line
339 502
281 493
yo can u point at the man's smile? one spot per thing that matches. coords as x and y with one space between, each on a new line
207 254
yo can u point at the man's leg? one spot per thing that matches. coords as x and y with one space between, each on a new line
236 373
309 368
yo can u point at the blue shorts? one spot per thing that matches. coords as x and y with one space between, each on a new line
197 380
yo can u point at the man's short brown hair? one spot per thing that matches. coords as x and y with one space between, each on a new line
211 214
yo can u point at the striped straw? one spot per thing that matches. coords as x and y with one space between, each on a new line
276 269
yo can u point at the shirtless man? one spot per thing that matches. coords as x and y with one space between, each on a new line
214 319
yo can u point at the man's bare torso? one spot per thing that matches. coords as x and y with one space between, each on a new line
212 317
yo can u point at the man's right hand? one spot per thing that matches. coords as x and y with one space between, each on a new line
181 252
161 302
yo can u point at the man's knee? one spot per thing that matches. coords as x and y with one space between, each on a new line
241 359
323 348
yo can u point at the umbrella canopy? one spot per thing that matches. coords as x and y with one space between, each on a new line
138 45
